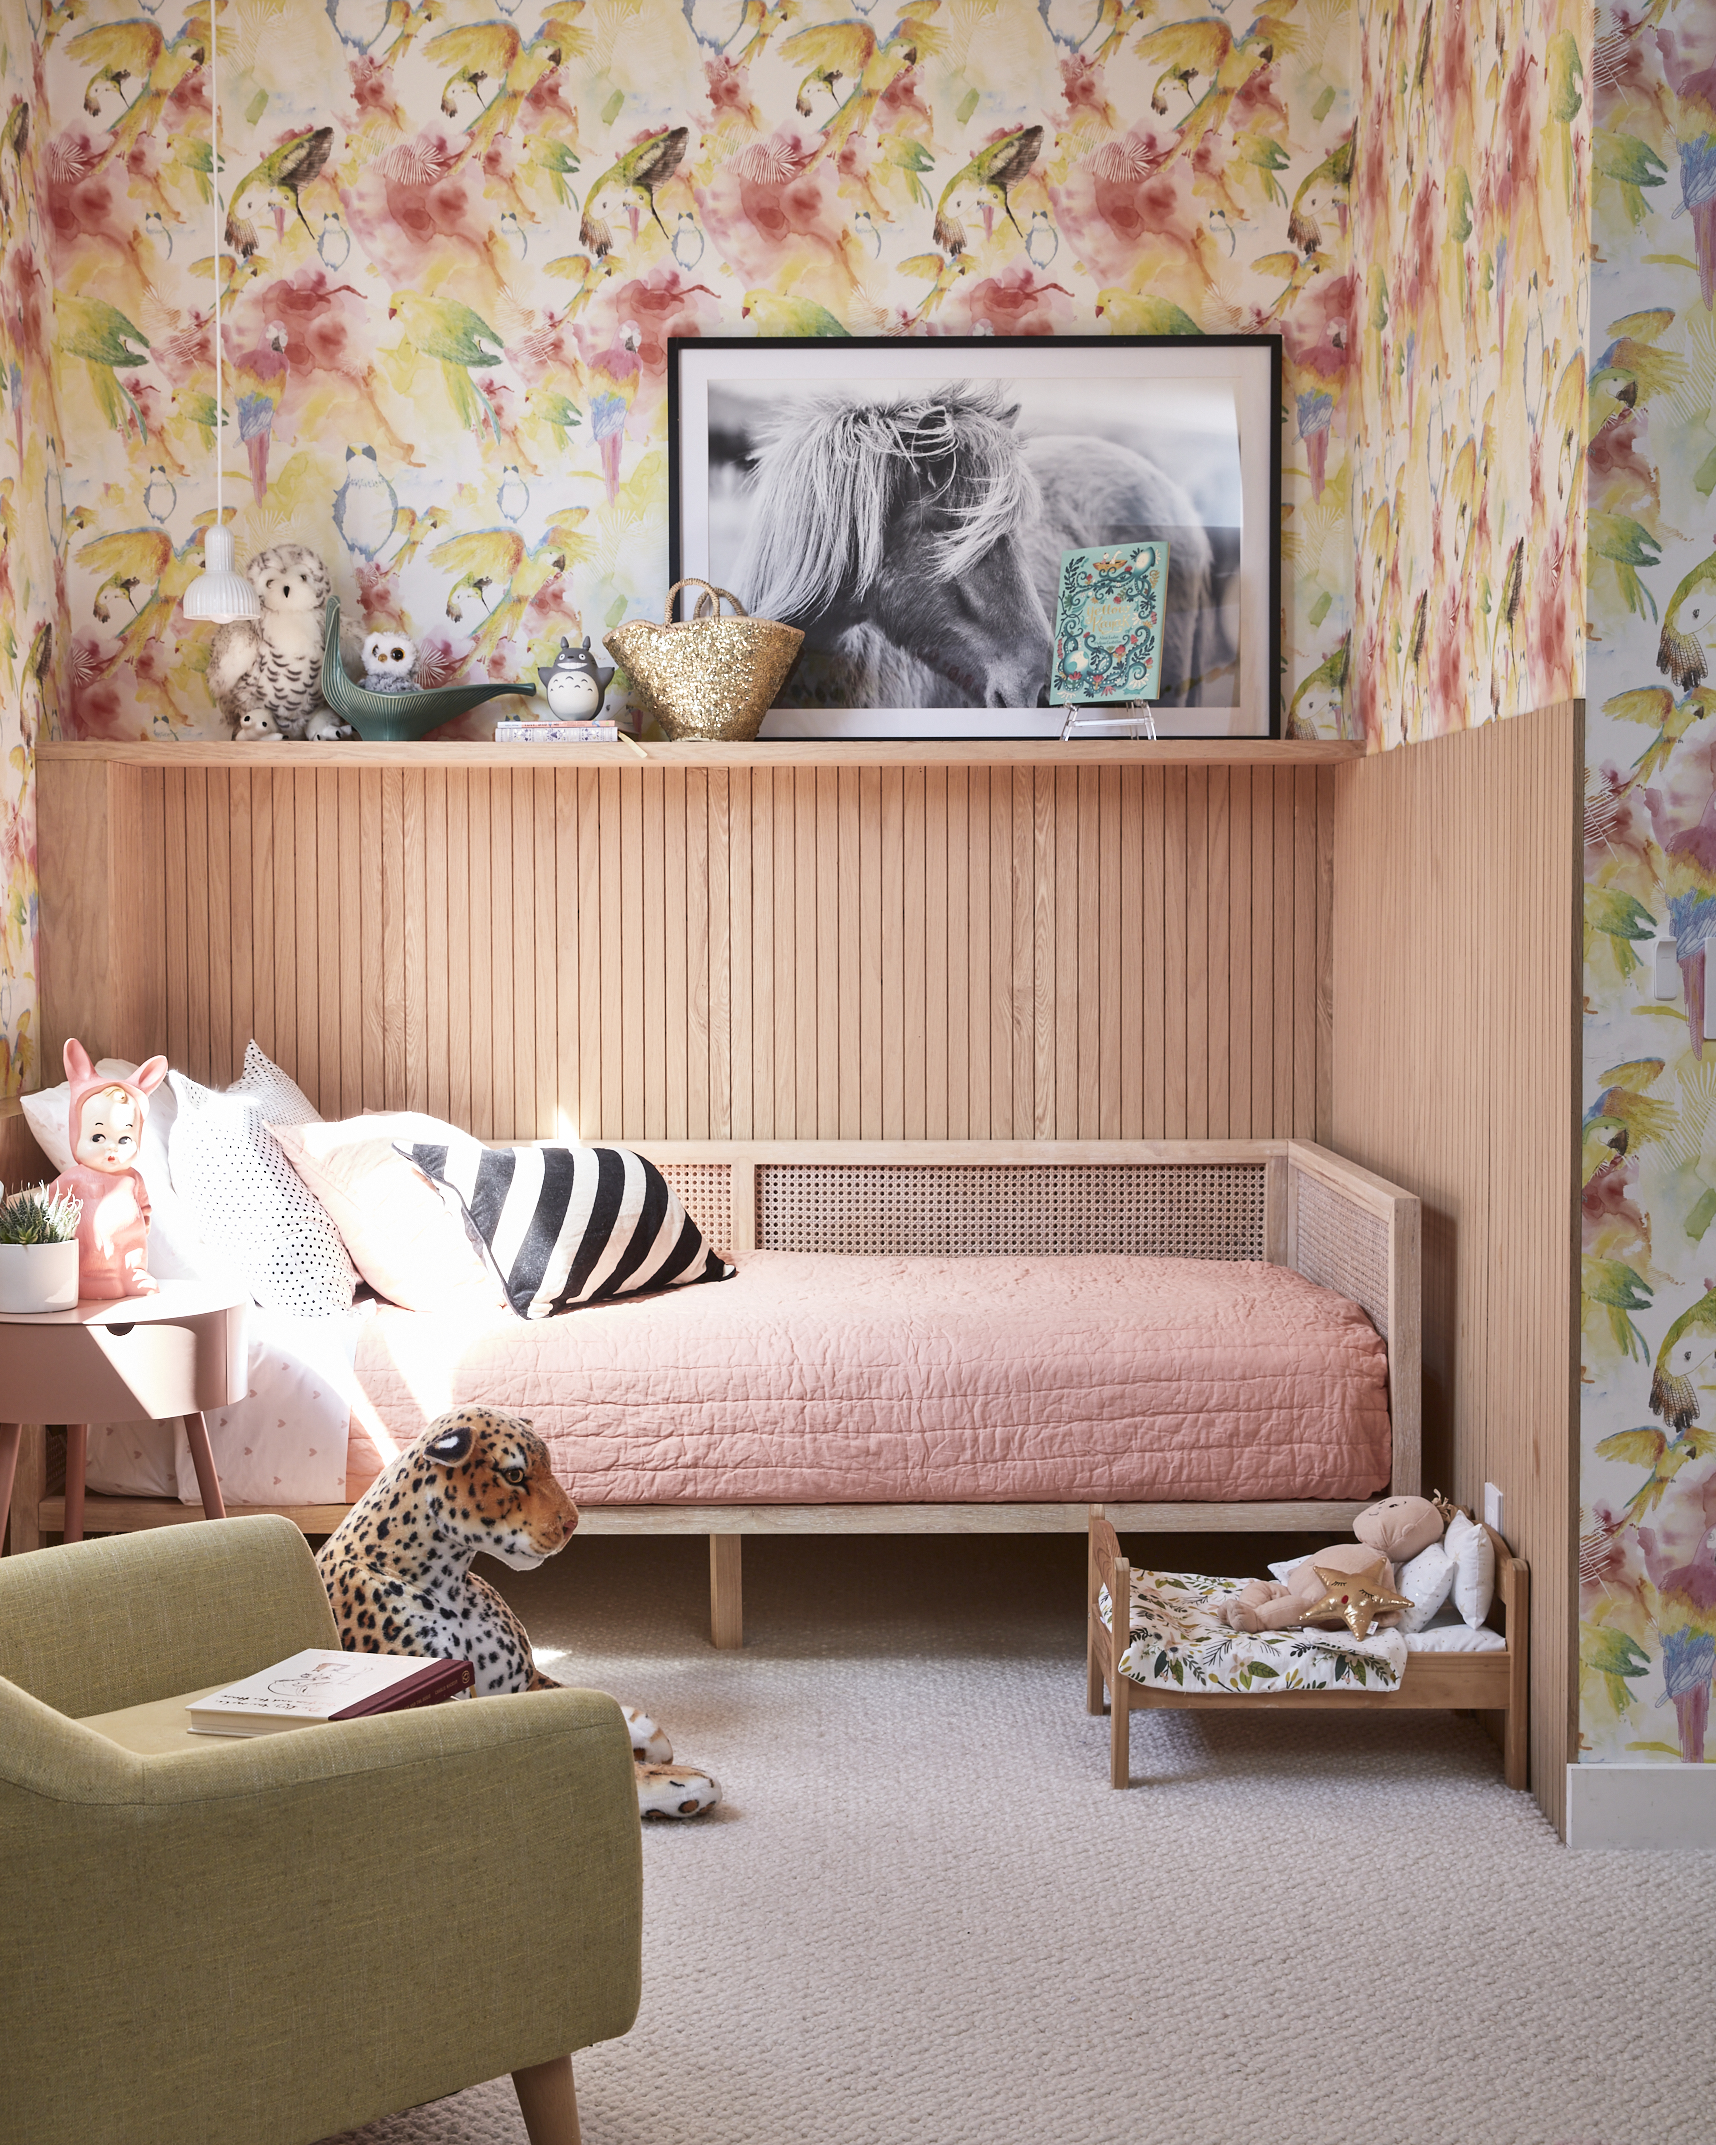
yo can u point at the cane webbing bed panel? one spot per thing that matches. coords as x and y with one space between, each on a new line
1342 1247
955 1209
705 1190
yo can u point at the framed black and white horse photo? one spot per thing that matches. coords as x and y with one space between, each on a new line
908 503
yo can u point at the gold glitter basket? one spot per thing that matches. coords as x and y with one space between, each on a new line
706 677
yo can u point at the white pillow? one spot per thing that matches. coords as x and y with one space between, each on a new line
1426 1581
1474 1559
1448 1633
176 1248
278 1097
258 1217
402 1237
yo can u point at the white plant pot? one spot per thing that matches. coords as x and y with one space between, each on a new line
38 1277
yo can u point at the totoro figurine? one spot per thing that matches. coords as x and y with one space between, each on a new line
576 683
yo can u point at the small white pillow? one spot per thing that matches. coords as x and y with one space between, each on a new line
263 1224
278 1097
1426 1581
1474 1559
402 1237
1289 1565
176 1249
1448 1633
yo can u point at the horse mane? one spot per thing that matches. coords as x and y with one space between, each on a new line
828 474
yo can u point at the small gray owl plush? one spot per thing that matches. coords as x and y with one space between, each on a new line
274 663
389 663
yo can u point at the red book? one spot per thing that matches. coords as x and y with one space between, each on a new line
430 1686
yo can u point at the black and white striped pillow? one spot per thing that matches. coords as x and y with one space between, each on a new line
571 1225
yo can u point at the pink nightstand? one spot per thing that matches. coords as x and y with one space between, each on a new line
176 1353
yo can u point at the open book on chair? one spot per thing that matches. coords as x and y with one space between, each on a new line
321 1684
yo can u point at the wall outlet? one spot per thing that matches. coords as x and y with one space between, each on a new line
1493 1509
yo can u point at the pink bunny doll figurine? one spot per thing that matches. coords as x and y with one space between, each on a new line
104 1125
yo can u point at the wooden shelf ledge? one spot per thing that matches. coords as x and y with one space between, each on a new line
852 752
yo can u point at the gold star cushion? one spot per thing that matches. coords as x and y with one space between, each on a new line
1357 1599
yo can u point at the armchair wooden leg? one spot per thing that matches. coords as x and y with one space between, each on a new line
548 2102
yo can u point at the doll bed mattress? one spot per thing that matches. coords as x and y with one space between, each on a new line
1178 1643
824 1378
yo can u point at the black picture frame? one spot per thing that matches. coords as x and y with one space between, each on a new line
1252 580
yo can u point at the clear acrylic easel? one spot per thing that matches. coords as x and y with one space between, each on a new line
1119 721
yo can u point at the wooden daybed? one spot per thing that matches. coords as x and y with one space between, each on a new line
1493 1682
1286 1202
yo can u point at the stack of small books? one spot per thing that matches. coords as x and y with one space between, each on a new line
321 1684
557 733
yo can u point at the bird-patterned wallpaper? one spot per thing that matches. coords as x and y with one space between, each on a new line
1470 237
458 235
32 640
1648 1553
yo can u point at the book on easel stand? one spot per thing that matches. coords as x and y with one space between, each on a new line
1108 639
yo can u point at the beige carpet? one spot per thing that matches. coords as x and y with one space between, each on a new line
924 1916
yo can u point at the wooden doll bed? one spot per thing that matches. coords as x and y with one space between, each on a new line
1454 1682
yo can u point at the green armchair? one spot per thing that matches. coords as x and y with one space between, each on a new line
280 1939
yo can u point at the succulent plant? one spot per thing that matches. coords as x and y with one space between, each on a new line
37 1216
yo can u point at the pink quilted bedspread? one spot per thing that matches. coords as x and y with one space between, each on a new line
819 1379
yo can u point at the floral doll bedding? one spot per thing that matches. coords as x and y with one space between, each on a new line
1179 1644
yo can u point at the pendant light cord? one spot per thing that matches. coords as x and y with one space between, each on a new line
214 159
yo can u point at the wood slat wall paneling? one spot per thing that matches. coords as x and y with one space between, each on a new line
797 952
1454 1011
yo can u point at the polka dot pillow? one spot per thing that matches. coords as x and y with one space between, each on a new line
258 1217
278 1097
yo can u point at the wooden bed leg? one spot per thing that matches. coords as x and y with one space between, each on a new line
1516 1727
1092 1587
1119 1723
726 1590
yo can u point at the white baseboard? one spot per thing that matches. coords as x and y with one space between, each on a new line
1664 1806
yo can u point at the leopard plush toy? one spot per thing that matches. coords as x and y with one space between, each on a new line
398 1572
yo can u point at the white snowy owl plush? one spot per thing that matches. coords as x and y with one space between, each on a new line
389 663
273 664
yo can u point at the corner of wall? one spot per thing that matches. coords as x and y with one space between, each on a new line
1471 267
33 637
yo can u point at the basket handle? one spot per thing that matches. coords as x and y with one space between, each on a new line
692 581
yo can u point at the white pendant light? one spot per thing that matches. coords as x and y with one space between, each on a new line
220 593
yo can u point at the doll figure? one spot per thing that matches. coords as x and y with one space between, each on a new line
104 1125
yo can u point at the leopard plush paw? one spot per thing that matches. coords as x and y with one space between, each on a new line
650 1745
675 1791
